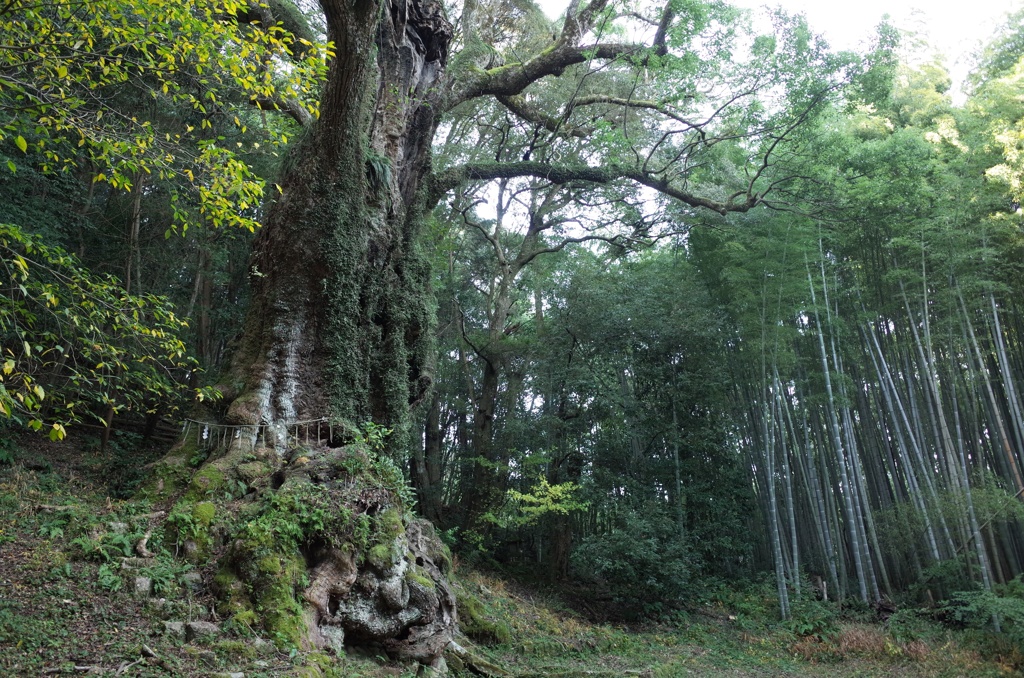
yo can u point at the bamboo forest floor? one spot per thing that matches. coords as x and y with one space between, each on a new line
68 607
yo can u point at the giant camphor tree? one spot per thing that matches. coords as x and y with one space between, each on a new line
636 106
341 318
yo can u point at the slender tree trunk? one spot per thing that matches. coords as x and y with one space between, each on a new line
787 479
680 498
891 394
1003 440
133 266
426 465
851 514
768 436
1008 382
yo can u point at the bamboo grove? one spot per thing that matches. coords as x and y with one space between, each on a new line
877 360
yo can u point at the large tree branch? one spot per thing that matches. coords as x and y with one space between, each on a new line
667 15
448 179
292 107
779 138
511 79
619 239
578 22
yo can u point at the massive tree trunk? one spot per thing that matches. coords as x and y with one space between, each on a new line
338 326
337 336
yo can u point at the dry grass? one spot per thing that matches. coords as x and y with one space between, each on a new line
872 642
860 641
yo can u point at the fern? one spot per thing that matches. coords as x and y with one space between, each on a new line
378 176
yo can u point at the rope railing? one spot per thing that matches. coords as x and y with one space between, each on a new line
210 435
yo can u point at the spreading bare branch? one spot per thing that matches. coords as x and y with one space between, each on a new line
564 174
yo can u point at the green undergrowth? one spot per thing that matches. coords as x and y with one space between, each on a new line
736 632
66 600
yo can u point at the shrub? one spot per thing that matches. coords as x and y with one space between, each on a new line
643 562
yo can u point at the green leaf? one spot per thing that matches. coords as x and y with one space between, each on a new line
21 143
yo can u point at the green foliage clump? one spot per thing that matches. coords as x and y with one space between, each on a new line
67 127
909 624
643 562
299 514
378 176
165 574
72 341
813 618
108 579
7 450
1000 612
104 547
543 499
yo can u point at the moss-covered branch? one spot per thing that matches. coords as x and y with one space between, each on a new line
511 79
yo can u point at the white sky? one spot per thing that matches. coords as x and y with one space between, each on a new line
955 29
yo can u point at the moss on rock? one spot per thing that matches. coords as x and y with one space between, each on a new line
170 475
278 579
233 599
204 512
474 623
252 471
206 482
325 551
416 575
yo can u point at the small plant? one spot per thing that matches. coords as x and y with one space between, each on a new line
378 175
987 609
813 618
11 626
7 448
909 625
185 525
235 489
107 579
450 537
103 548
165 575
392 478
53 529
352 463
641 561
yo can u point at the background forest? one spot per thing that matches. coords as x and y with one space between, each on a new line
648 401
